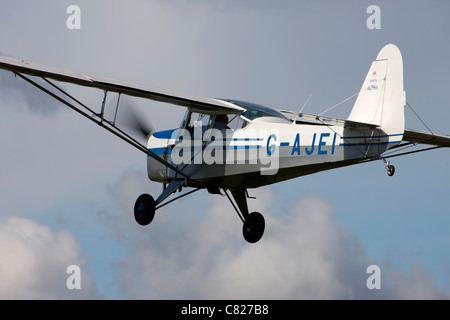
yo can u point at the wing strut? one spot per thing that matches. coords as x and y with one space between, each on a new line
104 123
411 152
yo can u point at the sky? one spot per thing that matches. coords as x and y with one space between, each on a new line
67 187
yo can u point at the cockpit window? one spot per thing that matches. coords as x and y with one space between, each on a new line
200 120
254 111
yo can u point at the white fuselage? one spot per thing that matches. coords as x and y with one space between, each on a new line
266 151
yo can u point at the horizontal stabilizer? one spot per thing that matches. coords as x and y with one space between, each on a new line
423 137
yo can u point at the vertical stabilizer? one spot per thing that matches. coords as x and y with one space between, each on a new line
381 101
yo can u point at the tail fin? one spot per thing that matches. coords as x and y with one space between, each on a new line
381 100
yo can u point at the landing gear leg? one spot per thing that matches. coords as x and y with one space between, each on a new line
253 223
390 168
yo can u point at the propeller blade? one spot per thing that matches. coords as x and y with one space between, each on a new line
134 119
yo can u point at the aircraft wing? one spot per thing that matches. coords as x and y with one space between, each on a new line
423 137
202 104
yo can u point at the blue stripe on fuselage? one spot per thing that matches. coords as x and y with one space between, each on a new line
166 134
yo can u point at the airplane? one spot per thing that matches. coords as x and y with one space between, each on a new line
228 146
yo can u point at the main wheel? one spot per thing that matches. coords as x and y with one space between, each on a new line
253 228
144 209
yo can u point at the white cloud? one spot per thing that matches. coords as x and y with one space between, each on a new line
35 260
304 254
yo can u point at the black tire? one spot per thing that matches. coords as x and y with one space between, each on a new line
144 209
391 171
253 228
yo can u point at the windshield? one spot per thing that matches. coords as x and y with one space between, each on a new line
254 111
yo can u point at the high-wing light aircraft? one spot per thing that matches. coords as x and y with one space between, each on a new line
231 146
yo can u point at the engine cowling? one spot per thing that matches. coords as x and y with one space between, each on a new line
159 143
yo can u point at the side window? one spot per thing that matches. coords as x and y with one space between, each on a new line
234 122
237 122
198 121
229 121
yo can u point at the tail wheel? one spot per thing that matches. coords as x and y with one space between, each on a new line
253 228
144 209
391 170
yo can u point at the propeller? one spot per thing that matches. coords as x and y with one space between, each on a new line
134 119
